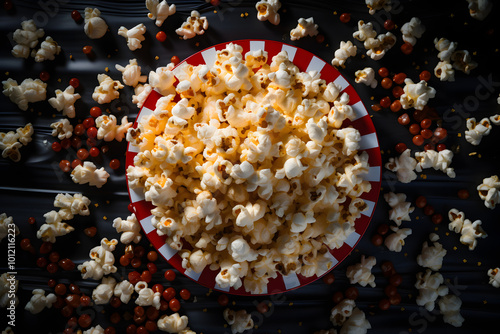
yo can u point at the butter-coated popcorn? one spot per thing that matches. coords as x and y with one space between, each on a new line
130 229
342 311
361 272
431 256
141 93
416 95
107 90
108 129
495 119
6 224
173 323
412 30
366 76
134 36
39 301
65 101
104 291
239 320
71 205
489 191
11 142
159 11
365 31
267 10
444 71
400 209
88 173
374 5
305 27
28 91
356 323
95 26
194 25
479 9
5 289
131 73
404 166
54 227
163 80
94 330
25 134
439 160
124 291
62 129
494 276
26 39
476 130
430 287
346 50
378 47
449 307
395 241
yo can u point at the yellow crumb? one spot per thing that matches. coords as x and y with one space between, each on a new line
156 58
106 69
479 263
59 80
447 233
105 218
70 56
455 248
109 56
459 135
96 205
464 260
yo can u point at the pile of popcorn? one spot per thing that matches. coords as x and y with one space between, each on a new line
252 168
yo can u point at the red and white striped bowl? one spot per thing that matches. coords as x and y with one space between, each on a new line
306 61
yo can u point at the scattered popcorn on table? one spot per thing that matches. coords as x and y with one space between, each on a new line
108 129
65 101
449 307
239 321
104 291
134 36
444 71
159 11
53 227
101 260
194 25
432 256
62 129
267 10
146 296
395 241
475 131
470 232
26 39
173 323
416 95
495 119
412 30
305 27
374 5
8 284
94 330
489 191
356 323
404 166
479 9
48 50
95 27
462 61
130 229
88 173
141 93
342 311
131 74
11 142
366 76
70 205
28 91
107 89
365 31
445 48
439 160
494 277
7 225
124 291
361 272
346 50
456 220
400 209
39 301
378 47
430 286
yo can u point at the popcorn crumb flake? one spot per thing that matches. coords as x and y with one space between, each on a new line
95 27
134 36
194 25
267 10
159 11
305 27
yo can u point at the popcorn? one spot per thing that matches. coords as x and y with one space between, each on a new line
494 277
88 173
71 205
346 50
445 47
194 25
54 227
124 291
101 260
400 209
267 10
416 95
495 119
48 50
130 229
342 311
26 39
326 331
470 230
94 330
109 130
305 27
134 36
8 330
64 101
449 307
356 323
412 30
173 323
395 241
159 11
95 27
107 89
456 220
62 129
239 321
366 76
39 301
489 191
361 272
459 59
432 256
444 71
146 296
404 167
439 160
131 74
11 142
8 284
430 286
365 31
479 9
6 225
374 5
104 291
28 91
378 47
163 79
475 131
462 61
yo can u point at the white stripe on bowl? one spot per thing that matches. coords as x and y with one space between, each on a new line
359 110
291 281
209 56
144 112
352 239
332 258
167 251
342 82
193 274
218 287
369 210
290 50
136 194
373 174
316 64
146 224
133 148
257 45
368 141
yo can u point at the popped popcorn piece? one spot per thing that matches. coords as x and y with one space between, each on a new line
94 330
416 95
361 272
54 227
62 129
462 61
449 307
326 331
130 229
395 241
101 260
239 321
107 89
475 131
366 76
88 173
141 93
109 130
342 311
49 49
104 291
444 71
8 330
124 291
305 27
356 323
439 160
39 301
65 101
404 166
267 10
173 323
374 5
494 277
378 47
6 225
432 256
412 30
71 205
346 50
445 47
194 25
489 191
495 119
146 296
430 286
456 220
95 26
163 79
159 11
470 230
26 39
479 9
131 74
11 142
28 91
365 31
8 284
400 209
134 36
